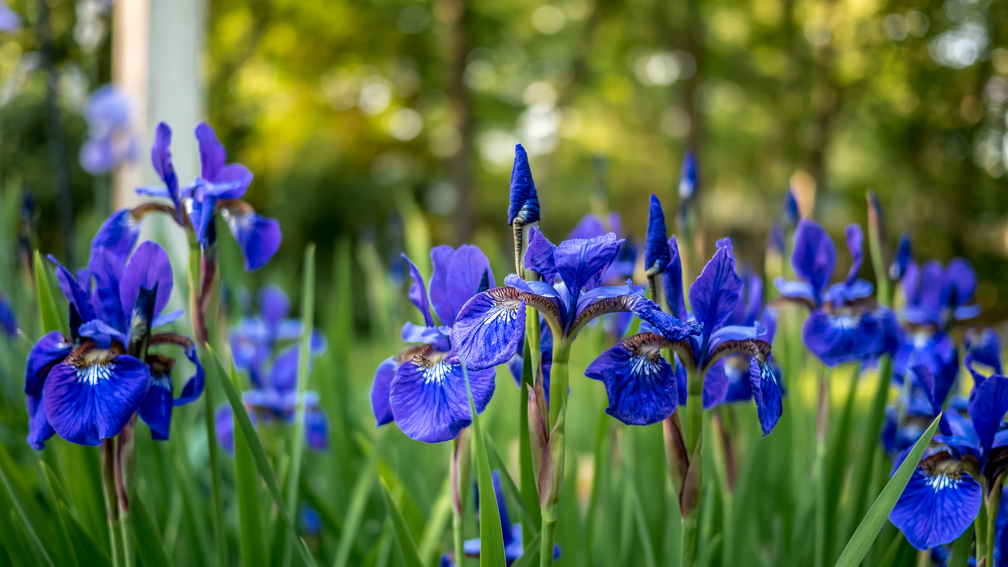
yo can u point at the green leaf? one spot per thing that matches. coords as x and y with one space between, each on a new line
358 501
877 515
509 484
405 537
529 553
435 525
51 320
252 543
638 508
961 549
27 526
491 536
89 552
150 546
262 463
55 496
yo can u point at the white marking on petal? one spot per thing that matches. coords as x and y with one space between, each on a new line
93 373
942 481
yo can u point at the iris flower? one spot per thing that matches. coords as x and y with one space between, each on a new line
845 324
423 389
111 139
642 386
9 20
942 498
88 386
271 405
490 327
218 189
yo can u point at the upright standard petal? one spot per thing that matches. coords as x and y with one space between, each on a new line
855 245
274 305
589 226
766 393
490 327
107 269
162 160
656 249
74 293
148 267
469 271
716 293
418 292
539 256
582 263
428 396
284 373
988 408
898 267
983 347
837 338
640 384
524 206
960 283
441 260
814 256
212 153
118 234
93 394
258 237
939 502
673 282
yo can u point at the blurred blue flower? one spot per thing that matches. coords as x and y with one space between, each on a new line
8 320
110 139
845 324
9 20
790 212
898 267
423 389
936 296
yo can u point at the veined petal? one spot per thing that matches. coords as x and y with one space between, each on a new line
212 153
428 396
437 336
491 325
259 237
855 245
844 337
441 259
716 293
39 430
539 256
466 275
988 407
380 390
107 269
418 292
75 294
162 160
231 181
148 267
49 351
939 503
156 408
673 282
582 263
118 234
640 384
766 391
524 206
814 256
93 393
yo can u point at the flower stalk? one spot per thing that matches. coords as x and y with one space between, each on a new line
993 507
108 452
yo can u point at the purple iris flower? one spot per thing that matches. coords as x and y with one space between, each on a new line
942 499
656 249
845 324
218 189
110 140
512 532
9 20
423 389
524 205
490 327
254 339
644 388
270 405
937 296
88 386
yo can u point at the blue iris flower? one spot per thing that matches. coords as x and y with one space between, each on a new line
524 205
936 297
845 324
423 389
8 320
274 393
512 532
88 386
490 327
218 189
898 267
111 139
942 499
643 387
9 20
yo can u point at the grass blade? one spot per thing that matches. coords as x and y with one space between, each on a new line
55 496
149 543
491 535
509 484
51 320
89 552
877 515
32 534
358 501
262 463
406 542
435 526
252 542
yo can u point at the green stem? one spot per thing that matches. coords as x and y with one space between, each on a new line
688 540
993 506
530 366
126 526
693 486
981 529
558 403
558 384
818 472
111 505
722 465
458 538
546 544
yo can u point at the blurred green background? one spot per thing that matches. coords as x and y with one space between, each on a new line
349 112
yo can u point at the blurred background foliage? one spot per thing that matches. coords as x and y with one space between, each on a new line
352 114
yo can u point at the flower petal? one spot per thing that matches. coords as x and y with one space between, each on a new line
539 256
49 351
73 291
429 400
855 245
118 234
465 277
936 506
380 390
148 267
848 337
156 408
656 248
898 267
441 259
231 182
316 430
673 282
274 305
259 237
107 269
418 292
582 263
39 430
988 408
212 153
766 392
640 384
524 205
194 386
589 226
814 256
715 294
490 327
93 394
